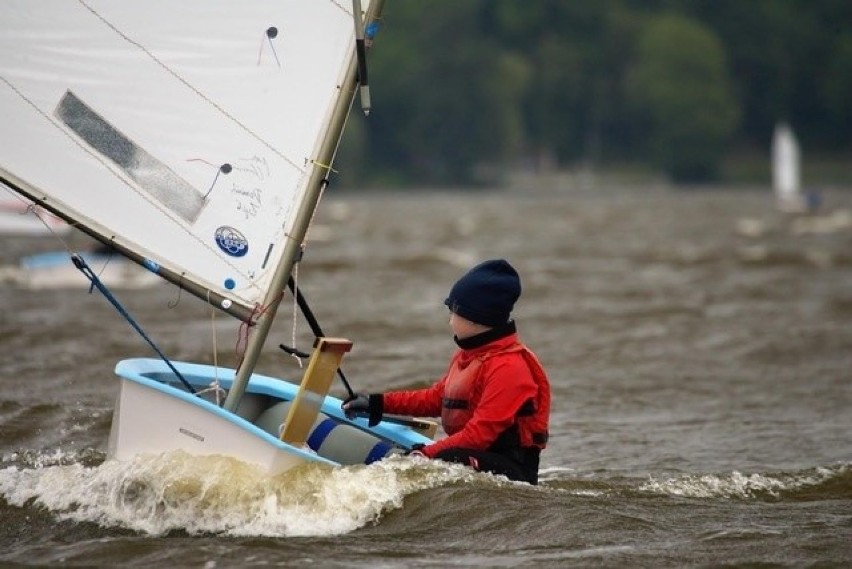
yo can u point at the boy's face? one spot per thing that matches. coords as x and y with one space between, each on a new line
464 328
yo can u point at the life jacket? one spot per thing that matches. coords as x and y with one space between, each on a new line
531 419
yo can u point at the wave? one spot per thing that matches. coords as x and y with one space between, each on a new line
155 495
178 492
818 483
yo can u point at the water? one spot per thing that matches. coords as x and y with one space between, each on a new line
698 342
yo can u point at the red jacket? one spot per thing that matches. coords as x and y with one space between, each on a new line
507 377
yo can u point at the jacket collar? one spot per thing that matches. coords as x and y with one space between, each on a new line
487 337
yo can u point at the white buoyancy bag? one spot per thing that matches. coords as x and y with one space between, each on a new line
329 437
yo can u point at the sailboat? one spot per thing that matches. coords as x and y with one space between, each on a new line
196 138
786 170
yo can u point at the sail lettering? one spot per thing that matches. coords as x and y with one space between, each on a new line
248 200
256 166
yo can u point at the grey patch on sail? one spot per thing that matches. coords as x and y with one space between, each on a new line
149 173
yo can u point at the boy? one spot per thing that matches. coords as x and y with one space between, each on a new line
494 400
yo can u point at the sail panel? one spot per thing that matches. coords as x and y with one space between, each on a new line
184 130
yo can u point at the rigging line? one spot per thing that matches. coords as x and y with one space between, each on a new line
341 7
30 207
242 336
33 208
315 327
223 169
245 328
326 167
173 303
271 33
339 140
304 243
80 263
214 385
293 329
260 51
190 86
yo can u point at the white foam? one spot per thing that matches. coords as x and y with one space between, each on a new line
155 495
738 485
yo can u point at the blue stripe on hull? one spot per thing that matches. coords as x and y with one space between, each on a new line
320 433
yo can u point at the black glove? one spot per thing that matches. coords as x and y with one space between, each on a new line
361 404
416 449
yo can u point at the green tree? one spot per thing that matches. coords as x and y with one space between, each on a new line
682 93
835 87
448 97
462 84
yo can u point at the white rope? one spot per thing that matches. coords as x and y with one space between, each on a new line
214 386
295 272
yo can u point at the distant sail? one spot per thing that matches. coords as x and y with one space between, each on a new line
786 169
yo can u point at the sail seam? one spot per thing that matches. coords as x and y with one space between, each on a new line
342 7
191 87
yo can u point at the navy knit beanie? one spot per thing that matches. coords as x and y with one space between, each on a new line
486 293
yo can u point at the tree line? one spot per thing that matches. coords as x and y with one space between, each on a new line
466 89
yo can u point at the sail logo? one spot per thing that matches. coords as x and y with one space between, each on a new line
231 241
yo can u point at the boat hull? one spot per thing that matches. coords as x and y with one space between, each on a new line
154 415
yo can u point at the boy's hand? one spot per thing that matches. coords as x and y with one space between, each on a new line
364 404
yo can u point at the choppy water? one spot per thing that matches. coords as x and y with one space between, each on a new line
700 350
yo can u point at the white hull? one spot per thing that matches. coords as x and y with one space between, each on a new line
152 417
148 421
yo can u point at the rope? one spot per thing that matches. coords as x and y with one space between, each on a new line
215 386
245 330
315 327
295 277
81 264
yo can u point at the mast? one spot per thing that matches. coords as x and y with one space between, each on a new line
292 247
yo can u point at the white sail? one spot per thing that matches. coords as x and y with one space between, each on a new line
184 132
194 137
786 175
